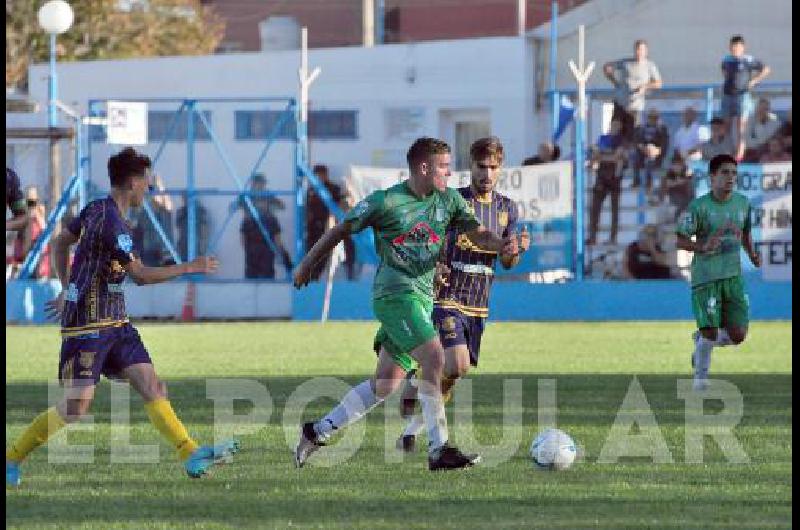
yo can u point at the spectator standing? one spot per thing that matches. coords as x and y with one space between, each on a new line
677 185
259 256
153 251
632 78
651 142
608 159
720 142
203 223
740 74
37 220
318 216
763 126
690 136
645 259
258 185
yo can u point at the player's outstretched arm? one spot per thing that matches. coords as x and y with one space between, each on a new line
143 275
319 251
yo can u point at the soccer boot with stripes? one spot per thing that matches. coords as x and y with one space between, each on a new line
206 456
13 474
449 457
309 443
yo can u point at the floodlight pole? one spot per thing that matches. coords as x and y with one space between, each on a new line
581 75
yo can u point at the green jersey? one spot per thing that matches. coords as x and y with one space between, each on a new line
409 233
709 218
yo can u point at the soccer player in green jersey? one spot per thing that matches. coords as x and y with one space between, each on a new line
410 220
720 222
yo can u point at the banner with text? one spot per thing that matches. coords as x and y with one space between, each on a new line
543 194
769 188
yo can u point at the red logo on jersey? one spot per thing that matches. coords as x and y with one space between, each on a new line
421 234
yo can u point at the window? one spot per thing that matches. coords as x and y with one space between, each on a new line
158 123
322 125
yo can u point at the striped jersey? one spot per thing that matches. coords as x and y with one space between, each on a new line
94 297
471 268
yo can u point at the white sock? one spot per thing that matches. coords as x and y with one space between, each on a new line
723 339
415 425
354 405
435 420
702 357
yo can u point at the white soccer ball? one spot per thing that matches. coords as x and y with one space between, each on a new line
553 449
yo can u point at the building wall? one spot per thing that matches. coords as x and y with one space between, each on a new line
440 79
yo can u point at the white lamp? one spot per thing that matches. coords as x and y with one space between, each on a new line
55 16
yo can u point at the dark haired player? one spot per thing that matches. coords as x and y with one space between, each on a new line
15 202
97 337
720 222
410 221
461 303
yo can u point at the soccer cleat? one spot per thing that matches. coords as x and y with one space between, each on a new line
13 477
309 443
449 457
407 443
207 456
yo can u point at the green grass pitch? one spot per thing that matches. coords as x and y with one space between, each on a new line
593 365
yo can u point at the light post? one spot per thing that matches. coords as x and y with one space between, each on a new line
55 17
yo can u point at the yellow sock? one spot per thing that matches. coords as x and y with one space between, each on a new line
164 419
38 432
448 394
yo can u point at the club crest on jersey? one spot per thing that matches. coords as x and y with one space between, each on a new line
125 243
502 218
72 293
449 324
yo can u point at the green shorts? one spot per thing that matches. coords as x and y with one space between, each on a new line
405 324
721 303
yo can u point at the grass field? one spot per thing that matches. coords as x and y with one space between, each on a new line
592 363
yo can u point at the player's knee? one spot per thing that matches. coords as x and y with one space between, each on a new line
384 387
737 335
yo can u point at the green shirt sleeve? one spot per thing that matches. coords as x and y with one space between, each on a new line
364 214
462 218
688 224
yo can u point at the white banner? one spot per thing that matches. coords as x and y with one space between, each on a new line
127 123
542 192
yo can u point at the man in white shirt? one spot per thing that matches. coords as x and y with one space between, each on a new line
689 138
761 127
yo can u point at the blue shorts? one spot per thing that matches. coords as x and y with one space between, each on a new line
740 105
456 328
108 351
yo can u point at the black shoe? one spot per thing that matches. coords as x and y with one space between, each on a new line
309 443
449 457
407 443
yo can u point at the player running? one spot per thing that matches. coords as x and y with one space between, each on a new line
410 221
720 222
97 337
466 273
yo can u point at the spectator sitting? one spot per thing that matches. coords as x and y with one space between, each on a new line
763 126
644 259
27 236
677 185
548 152
719 143
690 136
775 151
651 142
608 159
785 132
